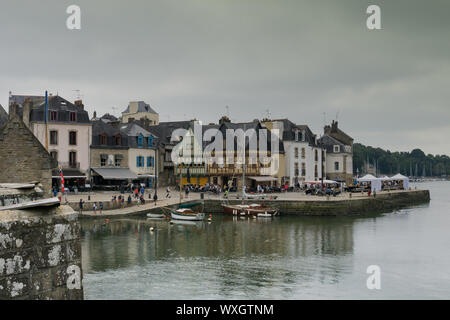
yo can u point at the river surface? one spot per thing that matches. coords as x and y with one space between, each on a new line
280 258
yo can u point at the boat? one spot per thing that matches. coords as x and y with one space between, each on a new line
252 209
187 214
155 215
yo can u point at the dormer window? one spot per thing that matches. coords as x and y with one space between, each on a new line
118 139
73 117
140 140
303 138
150 141
296 135
53 115
336 148
103 139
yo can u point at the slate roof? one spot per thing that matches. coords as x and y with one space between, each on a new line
328 143
132 130
142 107
3 116
289 132
55 103
100 127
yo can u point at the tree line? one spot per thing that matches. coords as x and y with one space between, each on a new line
414 163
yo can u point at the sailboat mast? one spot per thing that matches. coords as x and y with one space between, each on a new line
180 181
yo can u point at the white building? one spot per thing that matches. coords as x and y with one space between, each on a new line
66 132
304 158
339 153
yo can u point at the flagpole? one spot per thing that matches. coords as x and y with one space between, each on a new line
46 120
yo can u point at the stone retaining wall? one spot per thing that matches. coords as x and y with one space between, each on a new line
382 202
40 254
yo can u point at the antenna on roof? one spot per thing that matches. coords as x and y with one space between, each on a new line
337 115
228 111
324 119
268 113
78 95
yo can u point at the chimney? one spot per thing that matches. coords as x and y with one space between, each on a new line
13 110
95 114
27 105
79 103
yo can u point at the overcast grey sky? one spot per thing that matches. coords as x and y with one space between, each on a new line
191 58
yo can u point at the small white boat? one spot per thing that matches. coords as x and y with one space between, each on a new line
187 214
265 215
155 215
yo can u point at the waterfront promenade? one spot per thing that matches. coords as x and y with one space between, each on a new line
297 200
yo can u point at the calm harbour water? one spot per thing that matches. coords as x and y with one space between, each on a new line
281 258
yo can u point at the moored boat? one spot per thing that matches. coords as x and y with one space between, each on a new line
187 214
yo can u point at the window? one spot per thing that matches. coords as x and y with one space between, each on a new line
150 141
337 148
53 115
303 153
54 155
303 169
72 138
316 155
73 117
118 140
296 135
316 172
103 139
296 153
54 137
103 159
296 170
139 161
72 159
118 160
336 166
150 162
140 140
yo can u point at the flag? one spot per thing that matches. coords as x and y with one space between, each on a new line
62 179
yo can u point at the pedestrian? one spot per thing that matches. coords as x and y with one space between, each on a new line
129 200
155 197
54 192
136 193
101 207
94 207
142 191
167 192
186 191
81 206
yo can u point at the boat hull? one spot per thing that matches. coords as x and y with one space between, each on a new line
187 217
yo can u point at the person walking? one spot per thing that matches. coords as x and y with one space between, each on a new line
94 207
168 193
101 207
129 200
155 198
81 206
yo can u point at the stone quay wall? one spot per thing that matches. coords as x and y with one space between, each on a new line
383 202
40 254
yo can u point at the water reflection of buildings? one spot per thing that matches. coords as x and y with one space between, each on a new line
125 242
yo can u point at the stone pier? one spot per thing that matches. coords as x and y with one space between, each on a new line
40 254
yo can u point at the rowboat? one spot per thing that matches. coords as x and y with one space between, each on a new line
155 215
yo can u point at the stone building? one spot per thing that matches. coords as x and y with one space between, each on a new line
139 110
109 155
23 159
3 116
339 153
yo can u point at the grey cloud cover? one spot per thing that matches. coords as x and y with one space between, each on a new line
191 58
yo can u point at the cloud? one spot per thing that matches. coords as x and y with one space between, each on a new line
299 59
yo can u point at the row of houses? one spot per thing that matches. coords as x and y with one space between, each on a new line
109 152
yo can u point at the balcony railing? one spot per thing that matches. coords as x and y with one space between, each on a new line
70 165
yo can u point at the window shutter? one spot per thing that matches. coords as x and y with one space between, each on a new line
137 161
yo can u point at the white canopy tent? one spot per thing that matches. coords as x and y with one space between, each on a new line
400 177
385 178
374 182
